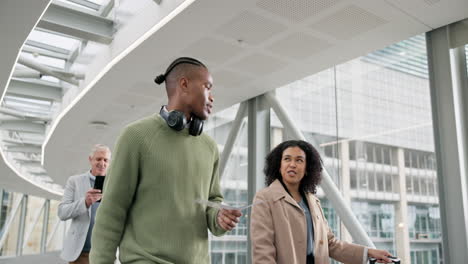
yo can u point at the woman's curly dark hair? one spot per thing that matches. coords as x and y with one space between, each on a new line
313 170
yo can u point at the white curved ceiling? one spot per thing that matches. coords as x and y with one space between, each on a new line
250 46
17 19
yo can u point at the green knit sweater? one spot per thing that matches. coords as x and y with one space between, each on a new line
148 209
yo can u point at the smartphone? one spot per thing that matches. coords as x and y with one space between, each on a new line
99 182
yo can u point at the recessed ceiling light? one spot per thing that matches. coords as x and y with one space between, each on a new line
99 124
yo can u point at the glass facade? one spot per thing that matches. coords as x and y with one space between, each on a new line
371 118
231 248
24 237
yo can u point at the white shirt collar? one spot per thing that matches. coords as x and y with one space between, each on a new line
92 177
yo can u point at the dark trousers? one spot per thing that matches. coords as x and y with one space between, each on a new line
82 259
310 259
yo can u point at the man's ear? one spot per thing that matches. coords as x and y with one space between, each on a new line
183 84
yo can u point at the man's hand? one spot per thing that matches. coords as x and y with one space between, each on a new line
228 219
92 196
380 255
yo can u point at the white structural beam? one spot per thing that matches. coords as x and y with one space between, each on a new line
107 8
45 227
401 210
44 52
447 119
21 226
233 133
35 173
29 162
22 142
72 21
258 148
47 47
87 4
45 70
23 126
22 115
26 73
23 149
333 194
35 89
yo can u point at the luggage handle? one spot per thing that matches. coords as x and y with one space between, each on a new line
394 260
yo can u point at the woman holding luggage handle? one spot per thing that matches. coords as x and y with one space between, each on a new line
289 227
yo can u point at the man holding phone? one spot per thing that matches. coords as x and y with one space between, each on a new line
80 202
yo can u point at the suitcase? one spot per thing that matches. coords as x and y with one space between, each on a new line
394 260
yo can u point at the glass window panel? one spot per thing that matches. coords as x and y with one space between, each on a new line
230 258
233 184
379 115
378 105
388 183
353 179
380 182
55 228
416 185
33 243
216 258
4 209
434 256
9 246
409 186
372 182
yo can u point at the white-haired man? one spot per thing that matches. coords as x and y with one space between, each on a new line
79 203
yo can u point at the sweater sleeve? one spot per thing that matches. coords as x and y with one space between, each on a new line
214 196
119 191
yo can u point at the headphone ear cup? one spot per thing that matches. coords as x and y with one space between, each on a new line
176 120
196 126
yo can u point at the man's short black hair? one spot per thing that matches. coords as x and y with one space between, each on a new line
179 61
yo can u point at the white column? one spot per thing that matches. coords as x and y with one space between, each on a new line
345 185
258 148
450 169
401 212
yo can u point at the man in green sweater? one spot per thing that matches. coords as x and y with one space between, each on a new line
162 165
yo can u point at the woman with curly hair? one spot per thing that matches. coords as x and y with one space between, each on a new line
289 226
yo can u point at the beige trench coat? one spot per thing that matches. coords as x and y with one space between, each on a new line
278 231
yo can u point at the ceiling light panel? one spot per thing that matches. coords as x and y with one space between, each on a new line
229 78
298 45
250 28
212 50
296 10
348 22
258 64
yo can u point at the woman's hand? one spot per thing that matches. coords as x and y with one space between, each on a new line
380 255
